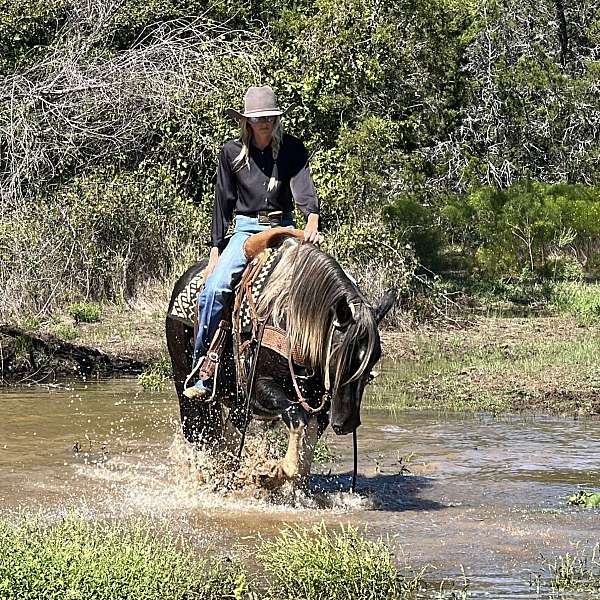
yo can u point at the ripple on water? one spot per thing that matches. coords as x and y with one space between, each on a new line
187 479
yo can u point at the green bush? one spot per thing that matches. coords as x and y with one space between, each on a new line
319 564
581 301
85 312
74 558
526 227
415 224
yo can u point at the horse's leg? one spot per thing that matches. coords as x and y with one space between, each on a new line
302 432
296 464
202 422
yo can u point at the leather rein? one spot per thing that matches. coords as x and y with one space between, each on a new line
277 340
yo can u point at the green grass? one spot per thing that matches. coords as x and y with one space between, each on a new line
579 571
585 499
498 366
65 332
78 560
579 300
85 312
75 559
157 375
320 564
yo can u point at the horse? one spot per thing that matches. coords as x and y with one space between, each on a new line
333 331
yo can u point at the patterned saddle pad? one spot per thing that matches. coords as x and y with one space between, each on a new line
185 305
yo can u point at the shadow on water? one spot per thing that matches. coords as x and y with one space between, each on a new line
390 493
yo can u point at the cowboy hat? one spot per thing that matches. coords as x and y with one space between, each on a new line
258 102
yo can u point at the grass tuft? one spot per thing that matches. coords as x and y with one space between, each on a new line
319 564
585 499
76 559
157 375
579 571
85 312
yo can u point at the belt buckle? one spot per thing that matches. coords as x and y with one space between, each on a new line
275 218
264 219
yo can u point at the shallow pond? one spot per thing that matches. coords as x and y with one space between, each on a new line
485 493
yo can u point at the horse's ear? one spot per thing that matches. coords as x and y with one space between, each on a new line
386 302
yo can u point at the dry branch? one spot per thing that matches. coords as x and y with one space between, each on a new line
83 104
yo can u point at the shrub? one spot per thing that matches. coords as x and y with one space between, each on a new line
414 224
319 564
85 312
527 226
581 301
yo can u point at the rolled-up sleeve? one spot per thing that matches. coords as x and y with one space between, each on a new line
225 199
303 187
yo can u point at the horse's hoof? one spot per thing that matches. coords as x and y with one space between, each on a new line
272 476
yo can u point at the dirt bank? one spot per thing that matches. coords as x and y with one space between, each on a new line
546 365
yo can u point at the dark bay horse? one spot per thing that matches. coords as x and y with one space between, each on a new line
333 330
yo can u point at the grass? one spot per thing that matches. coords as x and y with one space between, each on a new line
580 300
543 365
65 332
577 299
85 312
157 375
585 499
579 571
76 559
320 564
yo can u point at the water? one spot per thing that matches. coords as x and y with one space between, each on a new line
481 493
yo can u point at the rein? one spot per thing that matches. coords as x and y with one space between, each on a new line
277 340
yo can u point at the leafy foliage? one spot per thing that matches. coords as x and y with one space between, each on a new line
436 129
536 227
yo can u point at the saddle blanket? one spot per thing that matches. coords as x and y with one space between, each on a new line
185 306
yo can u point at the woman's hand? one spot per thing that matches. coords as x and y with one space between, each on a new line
213 259
311 231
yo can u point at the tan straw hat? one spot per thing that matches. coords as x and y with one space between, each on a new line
258 102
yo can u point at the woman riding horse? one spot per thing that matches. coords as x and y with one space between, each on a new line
259 178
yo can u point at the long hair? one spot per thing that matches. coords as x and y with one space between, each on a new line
243 158
304 295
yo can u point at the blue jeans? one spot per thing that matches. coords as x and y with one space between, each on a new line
219 286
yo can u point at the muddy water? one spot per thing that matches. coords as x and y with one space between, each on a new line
485 493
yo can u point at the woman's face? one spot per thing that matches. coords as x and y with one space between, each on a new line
262 127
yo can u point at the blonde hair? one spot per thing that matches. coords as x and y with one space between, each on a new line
243 158
302 296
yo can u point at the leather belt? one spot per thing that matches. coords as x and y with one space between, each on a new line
266 217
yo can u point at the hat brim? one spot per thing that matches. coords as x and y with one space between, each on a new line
234 114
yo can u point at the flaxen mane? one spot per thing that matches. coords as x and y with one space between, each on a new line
303 294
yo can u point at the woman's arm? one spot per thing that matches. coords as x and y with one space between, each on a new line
225 201
305 196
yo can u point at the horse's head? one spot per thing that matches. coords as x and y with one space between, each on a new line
355 348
